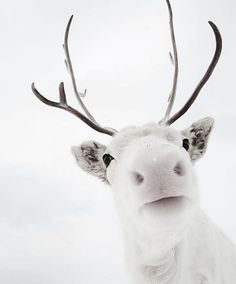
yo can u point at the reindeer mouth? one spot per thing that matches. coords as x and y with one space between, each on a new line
166 201
169 206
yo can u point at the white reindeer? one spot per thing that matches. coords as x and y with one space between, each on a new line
168 238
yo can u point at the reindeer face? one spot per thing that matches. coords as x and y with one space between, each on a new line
150 170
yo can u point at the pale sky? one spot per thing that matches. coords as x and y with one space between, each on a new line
57 224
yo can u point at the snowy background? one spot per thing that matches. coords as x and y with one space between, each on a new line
57 224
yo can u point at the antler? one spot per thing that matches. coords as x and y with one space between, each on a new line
174 61
204 79
167 120
88 118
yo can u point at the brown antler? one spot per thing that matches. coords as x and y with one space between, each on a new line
88 118
204 79
174 61
167 120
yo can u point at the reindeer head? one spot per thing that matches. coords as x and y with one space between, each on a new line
149 168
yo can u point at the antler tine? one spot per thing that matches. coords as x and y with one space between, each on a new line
63 105
71 72
175 62
205 78
87 118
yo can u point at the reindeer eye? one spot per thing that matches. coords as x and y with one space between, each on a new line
107 159
186 144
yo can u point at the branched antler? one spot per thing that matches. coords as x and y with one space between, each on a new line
204 79
167 120
63 105
87 118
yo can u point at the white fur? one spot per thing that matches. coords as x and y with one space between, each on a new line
168 239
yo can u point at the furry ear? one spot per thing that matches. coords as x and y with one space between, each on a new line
89 158
198 134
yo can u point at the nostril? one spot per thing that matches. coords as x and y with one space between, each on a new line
179 169
137 178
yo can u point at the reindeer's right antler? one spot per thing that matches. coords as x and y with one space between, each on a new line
88 118
63 105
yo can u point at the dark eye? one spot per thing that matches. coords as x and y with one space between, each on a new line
186 144
107 159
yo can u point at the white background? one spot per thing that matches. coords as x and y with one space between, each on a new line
58 224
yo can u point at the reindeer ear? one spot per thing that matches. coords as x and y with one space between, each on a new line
89 158
198 134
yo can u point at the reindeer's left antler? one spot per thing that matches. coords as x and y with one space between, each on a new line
167 119
204 79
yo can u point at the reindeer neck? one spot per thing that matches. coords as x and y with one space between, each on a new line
163 272
155 260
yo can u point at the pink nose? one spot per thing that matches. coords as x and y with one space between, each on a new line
157 164
138 178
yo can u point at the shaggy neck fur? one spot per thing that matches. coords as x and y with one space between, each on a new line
150 262
202 256
164 270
